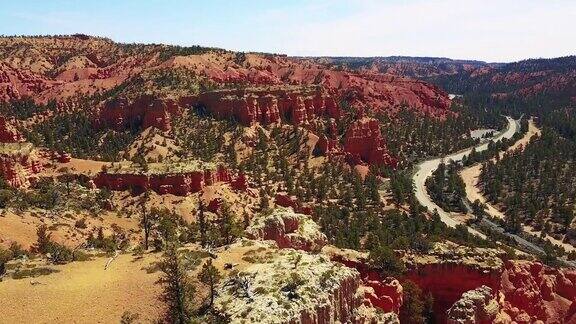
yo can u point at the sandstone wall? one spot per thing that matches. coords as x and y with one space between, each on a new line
180 184
265 106
145 111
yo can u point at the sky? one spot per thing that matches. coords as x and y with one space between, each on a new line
487 30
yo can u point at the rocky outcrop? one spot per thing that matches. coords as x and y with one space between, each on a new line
526 291
449 270
283 199
18 162
364 142
478 306
178 179
295 105
8 133
385 293
288 229
288 286
537 292
145 111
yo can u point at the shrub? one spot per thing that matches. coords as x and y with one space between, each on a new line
32 273
81 223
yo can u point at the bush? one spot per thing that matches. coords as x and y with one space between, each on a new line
384 258
32 273
81 223
60 253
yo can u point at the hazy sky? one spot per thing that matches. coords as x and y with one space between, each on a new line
489 30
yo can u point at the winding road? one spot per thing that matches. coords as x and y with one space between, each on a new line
426 168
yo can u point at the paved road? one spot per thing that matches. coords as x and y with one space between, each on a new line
426 168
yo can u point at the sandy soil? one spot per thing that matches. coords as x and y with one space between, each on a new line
21 228
83 292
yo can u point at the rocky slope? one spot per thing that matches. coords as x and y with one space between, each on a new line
134 86
59 67
526 291
527 80
288 230
177 178
271 285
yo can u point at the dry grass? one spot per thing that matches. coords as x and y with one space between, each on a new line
83 292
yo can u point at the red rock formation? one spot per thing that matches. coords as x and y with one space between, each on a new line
538 292
146 111
60 157
385 293
296 105
16 168
363 142
179 184
288 230
531 291
447 282
240 183
18 83
8 133
285 200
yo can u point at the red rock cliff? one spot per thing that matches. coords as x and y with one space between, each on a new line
8 133
296 105
364 142
145 111
18 164
179 184
537 292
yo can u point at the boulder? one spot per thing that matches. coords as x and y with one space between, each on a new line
478 306
288 229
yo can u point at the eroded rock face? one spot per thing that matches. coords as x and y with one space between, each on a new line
536 292
295 105
385 293
18 83
168 179
8 133
478 306
364 142
289 286
18 162
145 111
449 270
527 291
288 229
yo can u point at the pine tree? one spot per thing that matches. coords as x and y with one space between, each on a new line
178 288
230 229
210 276
202 226
44 239
145 220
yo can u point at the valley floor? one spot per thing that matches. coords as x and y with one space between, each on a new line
82 292
474 192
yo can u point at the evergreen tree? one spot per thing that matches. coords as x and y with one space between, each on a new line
179 291
210 276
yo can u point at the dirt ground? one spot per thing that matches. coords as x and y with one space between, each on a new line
84 292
